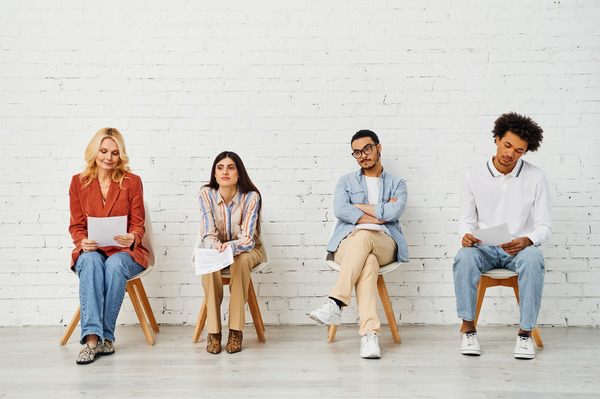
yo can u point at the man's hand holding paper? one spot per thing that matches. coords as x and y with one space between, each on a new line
516 245
493 236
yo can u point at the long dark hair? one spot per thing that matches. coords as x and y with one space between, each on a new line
244 183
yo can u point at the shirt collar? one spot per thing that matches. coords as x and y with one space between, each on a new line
360 173
515 172
235 199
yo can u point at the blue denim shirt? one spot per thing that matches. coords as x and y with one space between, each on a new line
352 189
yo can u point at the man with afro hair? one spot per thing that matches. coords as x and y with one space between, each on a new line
505 189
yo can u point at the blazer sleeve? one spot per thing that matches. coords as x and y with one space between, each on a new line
78 221
137 213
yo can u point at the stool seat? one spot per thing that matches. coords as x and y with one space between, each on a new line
252 301
505 278
383 294
500 273
382 269
135 289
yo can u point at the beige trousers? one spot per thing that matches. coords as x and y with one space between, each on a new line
360 255
238 287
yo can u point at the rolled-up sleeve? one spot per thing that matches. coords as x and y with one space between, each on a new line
342 206
391 211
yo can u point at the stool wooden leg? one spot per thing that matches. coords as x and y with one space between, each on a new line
537 337
255 311
71 326
331 332
201 322
387 307
135 300
145 303
252 292
481 287
514 283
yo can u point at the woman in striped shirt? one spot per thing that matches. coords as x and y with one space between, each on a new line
230 207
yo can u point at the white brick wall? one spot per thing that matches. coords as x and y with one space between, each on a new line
286 84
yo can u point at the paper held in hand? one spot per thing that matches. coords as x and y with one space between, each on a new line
493 236
211 260
103 230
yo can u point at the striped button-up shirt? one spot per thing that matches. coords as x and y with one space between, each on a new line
234 224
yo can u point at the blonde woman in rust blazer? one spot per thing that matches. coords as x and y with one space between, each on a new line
105 188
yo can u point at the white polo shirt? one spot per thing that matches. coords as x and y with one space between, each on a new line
521 199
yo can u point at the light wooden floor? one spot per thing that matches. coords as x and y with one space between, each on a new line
297 362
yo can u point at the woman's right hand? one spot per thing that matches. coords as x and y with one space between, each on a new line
220 246
88 245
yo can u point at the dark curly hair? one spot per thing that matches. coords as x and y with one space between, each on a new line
522 126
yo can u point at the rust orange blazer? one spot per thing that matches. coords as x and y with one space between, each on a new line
120 201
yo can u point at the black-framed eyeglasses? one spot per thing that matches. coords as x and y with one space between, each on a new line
366 150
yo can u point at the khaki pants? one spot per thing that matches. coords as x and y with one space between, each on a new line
360 255
238 287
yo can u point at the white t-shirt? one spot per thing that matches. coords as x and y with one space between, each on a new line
373 184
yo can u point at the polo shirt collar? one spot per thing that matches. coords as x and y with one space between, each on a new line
515 172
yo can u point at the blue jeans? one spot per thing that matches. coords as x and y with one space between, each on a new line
102 283
470 262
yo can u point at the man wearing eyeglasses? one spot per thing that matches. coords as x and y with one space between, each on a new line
368 204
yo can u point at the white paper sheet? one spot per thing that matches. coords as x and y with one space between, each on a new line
103 230
493 236
211 260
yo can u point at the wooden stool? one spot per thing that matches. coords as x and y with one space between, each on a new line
383 294
135 289
505 278
252 301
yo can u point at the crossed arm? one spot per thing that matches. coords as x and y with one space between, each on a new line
369 210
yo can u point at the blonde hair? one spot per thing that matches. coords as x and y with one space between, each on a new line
91 152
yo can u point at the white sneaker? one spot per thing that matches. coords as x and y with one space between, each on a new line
369 346
470 344
524 348
330 313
